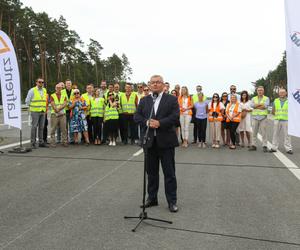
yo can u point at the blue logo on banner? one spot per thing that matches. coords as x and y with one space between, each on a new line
296 95
296 38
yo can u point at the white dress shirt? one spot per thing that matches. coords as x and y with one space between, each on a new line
157 102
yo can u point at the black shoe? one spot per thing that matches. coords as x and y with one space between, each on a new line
150 203
265 149
43 145
290 152
272 150
33 146
173 208
252 148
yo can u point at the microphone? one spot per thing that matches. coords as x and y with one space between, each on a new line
154 96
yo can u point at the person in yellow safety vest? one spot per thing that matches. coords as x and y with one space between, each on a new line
69 93
103 88
97 113
260 105
233 118
111 119
109 91
128 102
36 100
118 95
58 102
280 112
195 99
215 117
88 96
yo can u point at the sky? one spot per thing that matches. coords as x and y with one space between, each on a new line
213 43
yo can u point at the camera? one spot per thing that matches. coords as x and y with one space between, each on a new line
215 114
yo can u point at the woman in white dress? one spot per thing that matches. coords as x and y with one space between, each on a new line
245 127
186 106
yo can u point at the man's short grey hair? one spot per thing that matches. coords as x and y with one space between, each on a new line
156 76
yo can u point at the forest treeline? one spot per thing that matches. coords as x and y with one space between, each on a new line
47 47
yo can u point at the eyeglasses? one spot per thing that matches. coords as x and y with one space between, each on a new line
157 82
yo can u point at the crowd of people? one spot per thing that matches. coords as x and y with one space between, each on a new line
102 115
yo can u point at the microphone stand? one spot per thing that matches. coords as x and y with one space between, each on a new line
143 215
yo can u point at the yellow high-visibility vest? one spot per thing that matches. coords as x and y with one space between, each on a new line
64 92
87 99
38 103
128 106
59 102
259 111
111 113
281 113
196 98
97 107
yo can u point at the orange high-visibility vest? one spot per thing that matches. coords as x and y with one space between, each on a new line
218 110
235 111
180 100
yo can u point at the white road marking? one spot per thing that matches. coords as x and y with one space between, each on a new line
138 152
14 144
68 202
284 160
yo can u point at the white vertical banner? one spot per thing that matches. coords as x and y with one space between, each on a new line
10 83
292 9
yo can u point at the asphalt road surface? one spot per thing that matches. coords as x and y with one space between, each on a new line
76 198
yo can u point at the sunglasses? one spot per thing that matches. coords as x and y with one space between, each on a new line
76 93
140 87
215 97
146 89
224 95
232 89
40 81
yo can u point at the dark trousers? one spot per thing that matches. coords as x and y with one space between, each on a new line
167 158
232 128
201 125
105 132
195 131
97 127
128 123
112 127
90 127
45 131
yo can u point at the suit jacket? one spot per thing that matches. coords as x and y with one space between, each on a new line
167 114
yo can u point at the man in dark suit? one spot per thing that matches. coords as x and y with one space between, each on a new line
162 140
